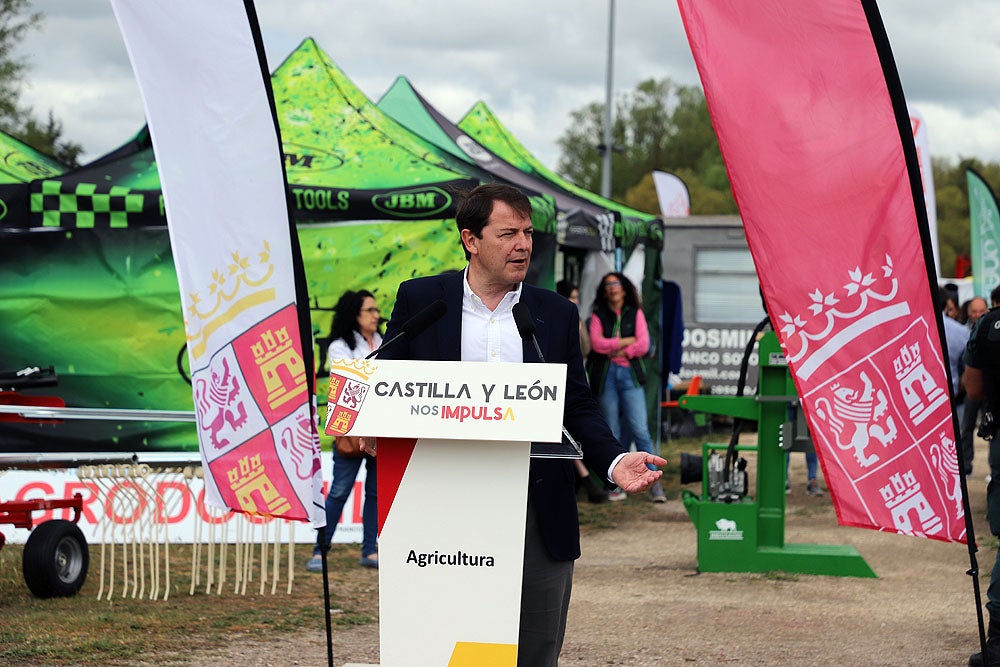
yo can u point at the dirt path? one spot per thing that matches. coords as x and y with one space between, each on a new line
638 600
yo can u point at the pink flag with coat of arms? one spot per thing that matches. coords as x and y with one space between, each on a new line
810 116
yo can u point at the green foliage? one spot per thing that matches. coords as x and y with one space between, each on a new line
16 20
952 202
47 138
659 125
580 161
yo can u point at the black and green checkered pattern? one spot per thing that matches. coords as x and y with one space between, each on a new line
83 206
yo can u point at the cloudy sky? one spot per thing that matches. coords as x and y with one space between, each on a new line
531 61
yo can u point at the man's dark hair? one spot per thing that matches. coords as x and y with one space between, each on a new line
995 297
565 287
944 296
477 205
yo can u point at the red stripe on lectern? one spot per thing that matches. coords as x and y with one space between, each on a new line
393 457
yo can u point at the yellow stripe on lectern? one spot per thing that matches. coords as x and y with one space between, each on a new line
474 654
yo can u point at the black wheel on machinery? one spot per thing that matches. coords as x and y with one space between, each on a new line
55 559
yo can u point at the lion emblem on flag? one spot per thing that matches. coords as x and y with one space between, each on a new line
857 416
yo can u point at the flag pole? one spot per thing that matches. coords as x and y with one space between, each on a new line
302 306
895 88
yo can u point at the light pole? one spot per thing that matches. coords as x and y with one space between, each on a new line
608 147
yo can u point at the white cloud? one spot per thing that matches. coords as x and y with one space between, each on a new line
532 62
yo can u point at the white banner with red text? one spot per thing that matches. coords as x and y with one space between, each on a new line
121 497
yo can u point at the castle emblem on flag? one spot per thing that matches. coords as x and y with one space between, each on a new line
905 501
921 393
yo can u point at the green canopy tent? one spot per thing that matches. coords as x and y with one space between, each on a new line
20 164
583 223
89 282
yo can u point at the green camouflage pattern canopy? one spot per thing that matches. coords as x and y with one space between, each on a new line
89 280
585 224
21 164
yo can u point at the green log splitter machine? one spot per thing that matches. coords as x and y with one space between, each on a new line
737 533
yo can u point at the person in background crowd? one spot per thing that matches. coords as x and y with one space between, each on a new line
972 310
596 493
812 464
955 334
981 379
951 307
971 408
354 335
619 340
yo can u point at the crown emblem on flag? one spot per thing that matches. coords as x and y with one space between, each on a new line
241 284
832 318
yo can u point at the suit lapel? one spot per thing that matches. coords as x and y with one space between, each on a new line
449 344
528 298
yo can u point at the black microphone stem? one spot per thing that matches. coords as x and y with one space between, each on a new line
538 350
526 329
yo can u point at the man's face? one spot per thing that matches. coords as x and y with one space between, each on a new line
977 308
503 253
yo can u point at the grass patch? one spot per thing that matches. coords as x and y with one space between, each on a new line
88 632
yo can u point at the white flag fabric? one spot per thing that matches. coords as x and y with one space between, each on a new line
675 201
919 128
204 83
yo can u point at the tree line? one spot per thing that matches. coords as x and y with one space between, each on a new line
43 133
664 126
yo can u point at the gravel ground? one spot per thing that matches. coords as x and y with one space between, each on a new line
639 600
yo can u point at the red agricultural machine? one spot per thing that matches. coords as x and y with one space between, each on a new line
56 556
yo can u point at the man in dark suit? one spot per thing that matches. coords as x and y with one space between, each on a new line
494 222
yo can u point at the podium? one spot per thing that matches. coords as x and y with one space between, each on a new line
454 445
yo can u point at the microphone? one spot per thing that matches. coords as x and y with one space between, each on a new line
526 329
526 326
416 324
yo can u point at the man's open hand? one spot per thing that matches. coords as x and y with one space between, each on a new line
631 473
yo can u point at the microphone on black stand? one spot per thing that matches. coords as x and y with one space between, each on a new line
526 326
416 324
526 329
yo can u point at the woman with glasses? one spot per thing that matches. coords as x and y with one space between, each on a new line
619 340
354 335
